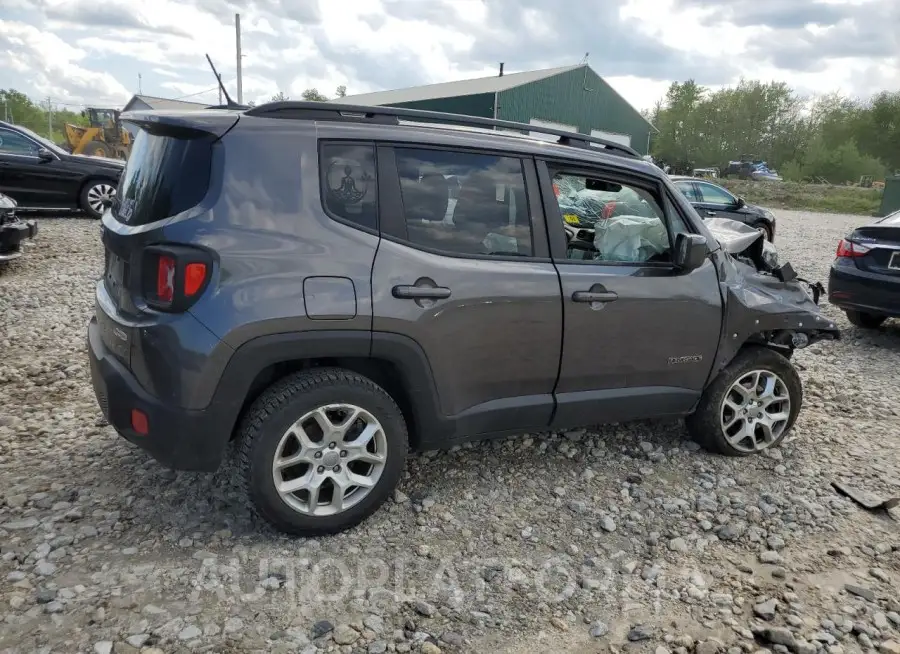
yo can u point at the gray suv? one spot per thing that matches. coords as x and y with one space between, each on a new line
332 285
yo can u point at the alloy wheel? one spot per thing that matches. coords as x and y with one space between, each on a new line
329 460
755 411
100 197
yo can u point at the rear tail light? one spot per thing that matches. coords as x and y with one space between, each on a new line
174 277
849 249
194 278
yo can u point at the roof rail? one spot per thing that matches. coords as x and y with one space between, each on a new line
392 115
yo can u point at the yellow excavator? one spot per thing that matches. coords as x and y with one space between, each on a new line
103 137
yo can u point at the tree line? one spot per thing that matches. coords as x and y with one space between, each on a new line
47 120
312 95
832 136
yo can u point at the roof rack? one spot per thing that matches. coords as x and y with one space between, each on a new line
392 115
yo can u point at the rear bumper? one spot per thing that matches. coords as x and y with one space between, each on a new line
855 289
178 438
11 237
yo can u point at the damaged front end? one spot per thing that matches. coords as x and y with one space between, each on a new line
764 301
13 231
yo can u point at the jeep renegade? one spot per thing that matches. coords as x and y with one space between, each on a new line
332 285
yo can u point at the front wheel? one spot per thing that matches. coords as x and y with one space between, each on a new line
750 406
96 197
320 451
864 320
765 230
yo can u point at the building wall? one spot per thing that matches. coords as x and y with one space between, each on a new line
481 105
563 99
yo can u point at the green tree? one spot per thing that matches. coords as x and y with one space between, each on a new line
279 97
340 91
829 136
39 117
313 95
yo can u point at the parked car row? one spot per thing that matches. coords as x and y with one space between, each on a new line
38 174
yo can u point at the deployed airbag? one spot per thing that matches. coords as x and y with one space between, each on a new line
630 238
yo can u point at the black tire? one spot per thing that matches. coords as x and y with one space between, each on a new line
87 201
864 320
278 408
704 424
766 228
97 149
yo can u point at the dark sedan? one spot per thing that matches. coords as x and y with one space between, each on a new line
38 174
865 276
713 201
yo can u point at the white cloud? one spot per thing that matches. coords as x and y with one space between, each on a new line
52 67
78 51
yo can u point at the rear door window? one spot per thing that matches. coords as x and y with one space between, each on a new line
714 195
464 203
689 190
165 175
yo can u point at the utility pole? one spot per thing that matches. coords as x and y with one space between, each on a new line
140 87
49 119
237 37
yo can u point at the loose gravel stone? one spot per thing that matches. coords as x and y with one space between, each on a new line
599 629
504 541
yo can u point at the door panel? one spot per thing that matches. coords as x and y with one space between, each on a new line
639 337
493 344
648 351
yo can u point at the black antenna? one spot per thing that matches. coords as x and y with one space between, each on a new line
229 103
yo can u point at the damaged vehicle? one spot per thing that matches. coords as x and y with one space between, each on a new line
13 231
332 285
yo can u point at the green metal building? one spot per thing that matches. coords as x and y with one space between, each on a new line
572 98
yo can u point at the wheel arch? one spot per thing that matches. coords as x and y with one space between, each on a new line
395 362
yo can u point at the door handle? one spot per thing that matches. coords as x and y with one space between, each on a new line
594 296
710 213
421 292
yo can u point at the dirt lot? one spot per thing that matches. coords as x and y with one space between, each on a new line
623 538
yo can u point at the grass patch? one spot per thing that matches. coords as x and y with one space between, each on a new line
808 197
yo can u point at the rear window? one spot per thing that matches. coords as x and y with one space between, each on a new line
165 175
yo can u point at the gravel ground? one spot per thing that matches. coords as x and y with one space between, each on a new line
620 538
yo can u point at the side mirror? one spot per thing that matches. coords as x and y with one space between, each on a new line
691 251
740 204
45 155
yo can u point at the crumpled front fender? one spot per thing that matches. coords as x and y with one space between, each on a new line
760 308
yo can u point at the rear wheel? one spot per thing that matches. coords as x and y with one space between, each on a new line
320 451
750 406
865 320
97 196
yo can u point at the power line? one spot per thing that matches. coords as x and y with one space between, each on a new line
191 95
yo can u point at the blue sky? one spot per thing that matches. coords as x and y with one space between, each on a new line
80 51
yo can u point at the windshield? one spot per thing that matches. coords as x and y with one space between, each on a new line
40 139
